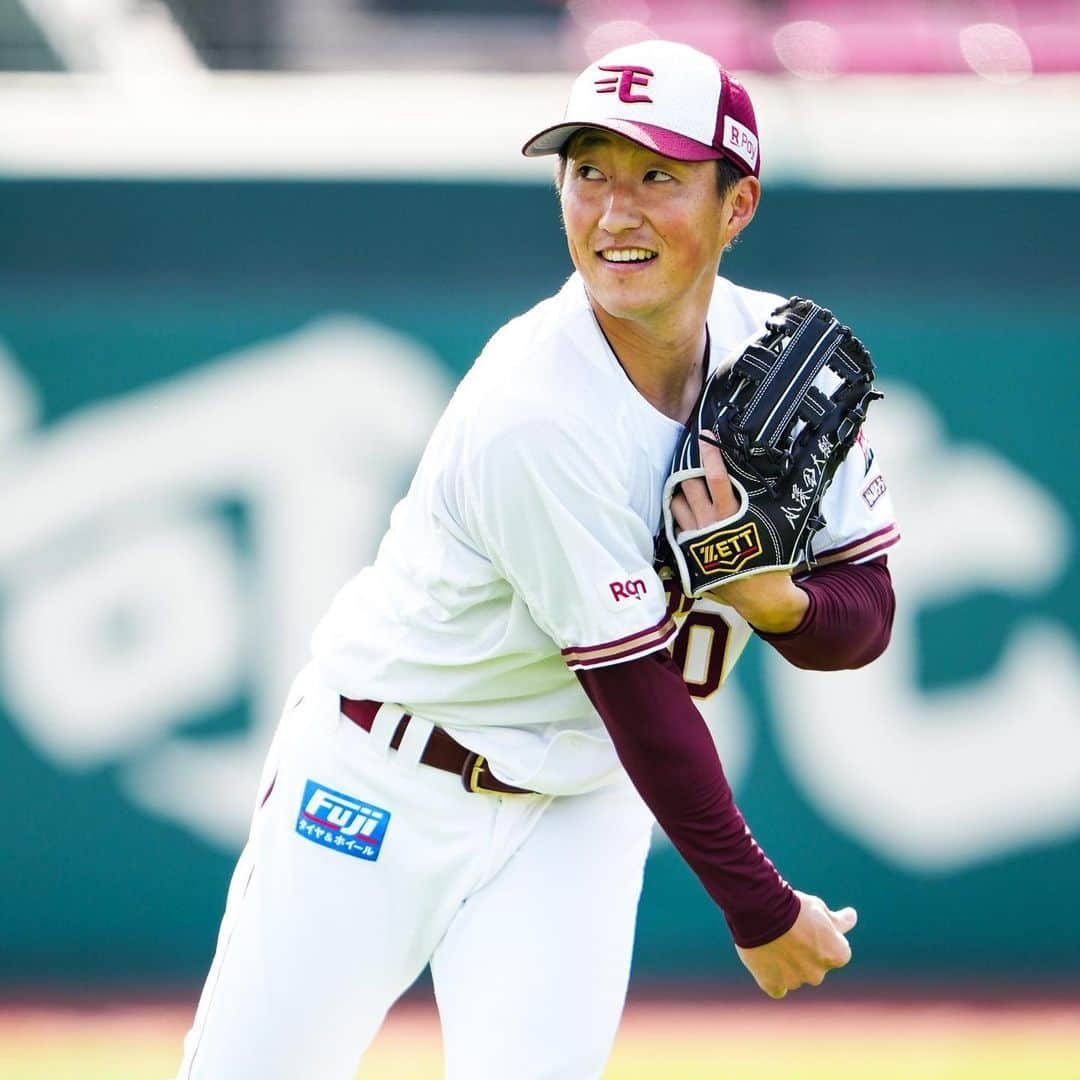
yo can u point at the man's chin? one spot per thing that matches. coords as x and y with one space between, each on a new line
619 304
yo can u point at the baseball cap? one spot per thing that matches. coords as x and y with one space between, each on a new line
665 96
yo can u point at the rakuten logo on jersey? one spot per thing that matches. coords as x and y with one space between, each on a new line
633 589
628 594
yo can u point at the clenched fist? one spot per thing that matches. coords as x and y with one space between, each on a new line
814 946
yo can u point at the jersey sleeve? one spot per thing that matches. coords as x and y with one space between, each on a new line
555 518
858 511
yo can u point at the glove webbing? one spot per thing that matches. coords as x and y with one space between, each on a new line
796 367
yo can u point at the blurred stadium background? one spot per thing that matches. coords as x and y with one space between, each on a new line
246 249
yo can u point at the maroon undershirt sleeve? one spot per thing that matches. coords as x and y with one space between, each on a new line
849 619
667 750
670 756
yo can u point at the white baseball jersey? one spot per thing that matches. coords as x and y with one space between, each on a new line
523 549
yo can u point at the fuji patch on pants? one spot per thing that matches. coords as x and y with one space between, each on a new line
340 822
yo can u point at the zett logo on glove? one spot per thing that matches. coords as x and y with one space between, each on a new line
728 550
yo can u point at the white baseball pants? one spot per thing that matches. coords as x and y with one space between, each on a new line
524 906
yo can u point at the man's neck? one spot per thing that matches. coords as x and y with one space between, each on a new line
666 366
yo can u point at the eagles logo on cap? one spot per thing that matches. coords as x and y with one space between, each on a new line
626 78
665 96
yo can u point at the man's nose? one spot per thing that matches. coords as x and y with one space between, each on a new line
621 211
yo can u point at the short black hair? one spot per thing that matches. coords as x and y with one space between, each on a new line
728 174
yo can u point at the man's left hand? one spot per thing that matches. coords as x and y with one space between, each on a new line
769 601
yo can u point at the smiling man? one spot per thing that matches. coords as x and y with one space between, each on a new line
467 772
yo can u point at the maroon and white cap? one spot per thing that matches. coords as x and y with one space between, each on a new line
664 96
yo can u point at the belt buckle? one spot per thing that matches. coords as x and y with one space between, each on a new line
472 772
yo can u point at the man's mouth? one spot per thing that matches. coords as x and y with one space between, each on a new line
627 255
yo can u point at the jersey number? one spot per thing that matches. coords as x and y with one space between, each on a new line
700 650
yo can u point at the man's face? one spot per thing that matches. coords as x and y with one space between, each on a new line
645 232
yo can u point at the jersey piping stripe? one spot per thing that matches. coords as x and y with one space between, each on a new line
571 650
858 541
623 655
623 648
873 544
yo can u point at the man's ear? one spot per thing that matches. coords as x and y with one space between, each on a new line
740 205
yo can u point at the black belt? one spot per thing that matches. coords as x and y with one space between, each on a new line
441 752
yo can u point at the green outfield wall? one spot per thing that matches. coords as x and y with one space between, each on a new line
211 395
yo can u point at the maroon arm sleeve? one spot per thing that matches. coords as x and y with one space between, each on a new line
849 619
667 750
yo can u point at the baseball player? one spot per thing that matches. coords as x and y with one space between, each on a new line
467 772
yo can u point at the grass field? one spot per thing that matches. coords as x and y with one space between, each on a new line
788 1040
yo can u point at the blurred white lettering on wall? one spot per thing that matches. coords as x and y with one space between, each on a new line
130 607
942 780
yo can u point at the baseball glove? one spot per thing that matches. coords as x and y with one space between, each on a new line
784 412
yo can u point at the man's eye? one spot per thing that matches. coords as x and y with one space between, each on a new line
658 175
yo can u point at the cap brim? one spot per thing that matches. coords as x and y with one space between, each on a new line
668 143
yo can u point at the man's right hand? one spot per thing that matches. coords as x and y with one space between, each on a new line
803 956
